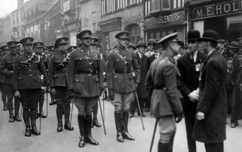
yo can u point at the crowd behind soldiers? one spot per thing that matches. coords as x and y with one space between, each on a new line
161 76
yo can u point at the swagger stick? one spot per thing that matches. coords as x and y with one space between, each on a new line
102 116
71 110
139 110
153 137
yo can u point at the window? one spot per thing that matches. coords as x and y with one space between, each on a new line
147 7
165 4
134 33
178 3
155 5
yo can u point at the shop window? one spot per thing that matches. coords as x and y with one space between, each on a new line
165 4
178 3
157 35
134 33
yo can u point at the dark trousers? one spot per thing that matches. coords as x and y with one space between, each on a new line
16 104
8 90
214 147
134 105
189 114
41 101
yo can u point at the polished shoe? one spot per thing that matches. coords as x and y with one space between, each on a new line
59 127
131 115
42 115
5 108
96 123
35 131
81 142
90 140
120 137
27 132
234 124
17 118
68 126
126 135
11 118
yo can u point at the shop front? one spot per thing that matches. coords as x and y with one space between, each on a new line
156 27
224 17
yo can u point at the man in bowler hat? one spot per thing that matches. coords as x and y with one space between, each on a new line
161 83
189 66
211 114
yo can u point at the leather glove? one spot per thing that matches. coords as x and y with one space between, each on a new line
111 94
53 91
178 117
71 93
17 94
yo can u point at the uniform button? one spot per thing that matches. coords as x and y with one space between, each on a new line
89 74
30 75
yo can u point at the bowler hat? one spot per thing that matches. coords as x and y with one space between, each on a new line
27 40
167 38
84 34
141 44
131 45
209 35
193 35
234 45
151 42
122 35
62 40
38 45
12 44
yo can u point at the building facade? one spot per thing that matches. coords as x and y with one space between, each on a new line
120 15
163 17
224 16
6 33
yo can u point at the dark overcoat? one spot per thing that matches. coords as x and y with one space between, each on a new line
161 81
121 64
212 100
143 64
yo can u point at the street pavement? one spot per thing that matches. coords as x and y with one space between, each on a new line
12 137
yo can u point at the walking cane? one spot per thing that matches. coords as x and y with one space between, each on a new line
139 110
103 108
153 137
21 109
102 116
71 110
47 103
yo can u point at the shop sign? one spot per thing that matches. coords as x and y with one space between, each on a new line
162 19
132 19
66 6
225 8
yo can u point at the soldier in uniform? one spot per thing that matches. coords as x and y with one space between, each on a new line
38 50
161 82
2 77
6 68
85 82
58 83
27 84
123 74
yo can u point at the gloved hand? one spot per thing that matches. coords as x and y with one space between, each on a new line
17 93
111 94
178 117
53 91
71 93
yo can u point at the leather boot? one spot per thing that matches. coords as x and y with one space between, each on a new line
89 138
96 123
59 127
125 132
68 126
17 118
27 132
42 115
81 124
11 118
5 107
163 147
170 145
118 121
35 131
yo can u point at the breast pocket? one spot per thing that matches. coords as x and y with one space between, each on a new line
79 85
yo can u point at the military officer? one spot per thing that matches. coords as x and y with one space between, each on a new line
58 83
27 83
2 77
161 82
123 74
93 48
85 82
6 68
38 50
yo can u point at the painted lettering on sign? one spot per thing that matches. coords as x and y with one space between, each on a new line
224 8
162 19
132 19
